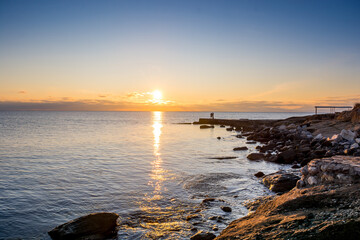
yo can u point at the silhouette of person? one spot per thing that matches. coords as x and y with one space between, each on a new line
212 115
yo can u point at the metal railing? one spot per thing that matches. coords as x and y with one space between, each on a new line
332 108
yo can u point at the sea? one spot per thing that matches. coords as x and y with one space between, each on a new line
148 167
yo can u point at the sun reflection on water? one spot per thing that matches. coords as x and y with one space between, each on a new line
161 216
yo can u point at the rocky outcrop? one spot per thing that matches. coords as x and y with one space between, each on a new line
315 213
280 181
355 114
93 226
333 170
327 206
350 116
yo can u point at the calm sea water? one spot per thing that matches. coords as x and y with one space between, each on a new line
57 166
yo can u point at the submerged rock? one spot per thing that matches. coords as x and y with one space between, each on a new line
226 209
92 226
240 148
203 236
222 158
259 174
206 126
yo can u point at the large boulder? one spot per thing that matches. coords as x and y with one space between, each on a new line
348 135
280 181
93 226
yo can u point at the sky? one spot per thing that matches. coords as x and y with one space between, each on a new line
244 55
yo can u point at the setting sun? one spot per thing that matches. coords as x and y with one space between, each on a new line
157 95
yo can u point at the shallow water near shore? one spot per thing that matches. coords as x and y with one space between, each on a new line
153 172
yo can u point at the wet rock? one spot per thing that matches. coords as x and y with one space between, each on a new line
295 166
226 209
288 156
250 142
192 216
239 136
215 228
222 126
255 156
280 181
206 126
229 129
201 235
222 158
207 200
92 226
259 174
240 148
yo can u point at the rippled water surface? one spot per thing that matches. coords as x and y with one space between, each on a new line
57 166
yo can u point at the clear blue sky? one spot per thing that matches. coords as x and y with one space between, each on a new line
198 53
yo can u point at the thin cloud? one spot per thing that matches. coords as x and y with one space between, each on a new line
22 92
128 104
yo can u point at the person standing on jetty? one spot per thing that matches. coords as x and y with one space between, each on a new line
212 115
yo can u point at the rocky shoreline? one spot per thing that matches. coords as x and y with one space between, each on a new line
318 202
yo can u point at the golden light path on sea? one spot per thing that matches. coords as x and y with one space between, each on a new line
161 216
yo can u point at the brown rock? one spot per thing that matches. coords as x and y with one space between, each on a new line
92 226
280 181
203 236
240 148
226 209
206 126
288 156
206 200
313 213
259 174
256 156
